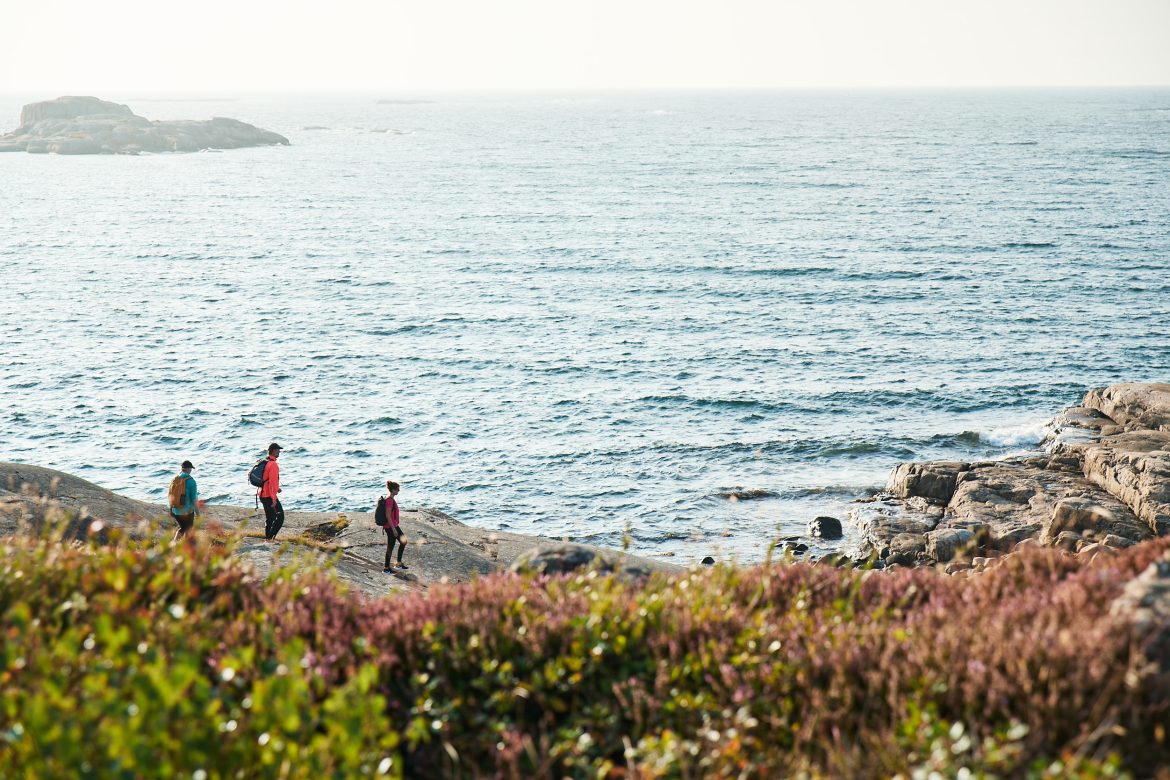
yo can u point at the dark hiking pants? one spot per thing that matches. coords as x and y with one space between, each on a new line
393 535
185 522
273 517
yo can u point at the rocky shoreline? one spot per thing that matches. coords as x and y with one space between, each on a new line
441 548
1102 483
87 125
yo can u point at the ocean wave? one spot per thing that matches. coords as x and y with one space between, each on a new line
1023 435
745 494
1137 154
729 404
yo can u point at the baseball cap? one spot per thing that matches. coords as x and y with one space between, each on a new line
187 465
274 446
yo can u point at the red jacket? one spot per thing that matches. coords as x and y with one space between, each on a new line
271 480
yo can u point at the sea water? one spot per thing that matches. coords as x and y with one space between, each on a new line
693 320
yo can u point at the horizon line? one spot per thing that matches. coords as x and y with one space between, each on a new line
606 89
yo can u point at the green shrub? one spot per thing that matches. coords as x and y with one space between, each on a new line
138 659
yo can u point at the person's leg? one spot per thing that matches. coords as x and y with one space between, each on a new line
390 539
185 522
278 522
401 545
269 517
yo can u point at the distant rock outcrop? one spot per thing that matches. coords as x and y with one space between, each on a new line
87 125
1103 483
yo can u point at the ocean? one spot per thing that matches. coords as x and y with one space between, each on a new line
594 316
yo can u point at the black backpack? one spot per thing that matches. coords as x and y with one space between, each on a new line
380 512
256 475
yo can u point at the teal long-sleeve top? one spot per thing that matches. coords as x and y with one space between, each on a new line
188 497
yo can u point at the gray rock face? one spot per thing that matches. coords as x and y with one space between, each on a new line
1104 483
943 544
1134 467
1136 405
566 558
1145 604
86 125
932 481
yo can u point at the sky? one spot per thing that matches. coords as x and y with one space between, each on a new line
221 46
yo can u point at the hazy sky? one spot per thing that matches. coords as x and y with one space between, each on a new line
116 46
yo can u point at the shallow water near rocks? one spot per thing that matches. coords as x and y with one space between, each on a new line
701 318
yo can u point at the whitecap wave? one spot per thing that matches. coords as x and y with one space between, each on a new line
1030 434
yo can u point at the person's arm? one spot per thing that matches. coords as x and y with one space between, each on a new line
271 481
192 491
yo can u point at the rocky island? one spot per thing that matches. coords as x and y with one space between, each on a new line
87 125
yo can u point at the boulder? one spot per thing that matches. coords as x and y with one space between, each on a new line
1133 405
933 481
794 548
878 522
907 549
566 558
825 528
944 544
1101 519
86 125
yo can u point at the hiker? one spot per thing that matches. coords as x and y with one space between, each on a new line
393 529
183 500
273 511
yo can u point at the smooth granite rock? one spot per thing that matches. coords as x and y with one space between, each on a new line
1102 483
1133 405
567 557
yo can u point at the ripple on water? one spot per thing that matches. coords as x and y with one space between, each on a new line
807 289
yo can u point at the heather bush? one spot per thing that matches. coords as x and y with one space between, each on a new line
136 659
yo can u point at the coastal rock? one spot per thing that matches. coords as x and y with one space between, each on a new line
791 547
825 528
1133 405
878 523
1100 517
1018 500
1145 604
945 543
932 481
1135 468
566 558
1103 483
87 125
907 549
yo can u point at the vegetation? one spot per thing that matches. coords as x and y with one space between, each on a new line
134 659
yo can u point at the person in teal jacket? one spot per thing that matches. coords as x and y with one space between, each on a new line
184 512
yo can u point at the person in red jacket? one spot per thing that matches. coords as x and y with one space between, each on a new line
393 529
273 511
